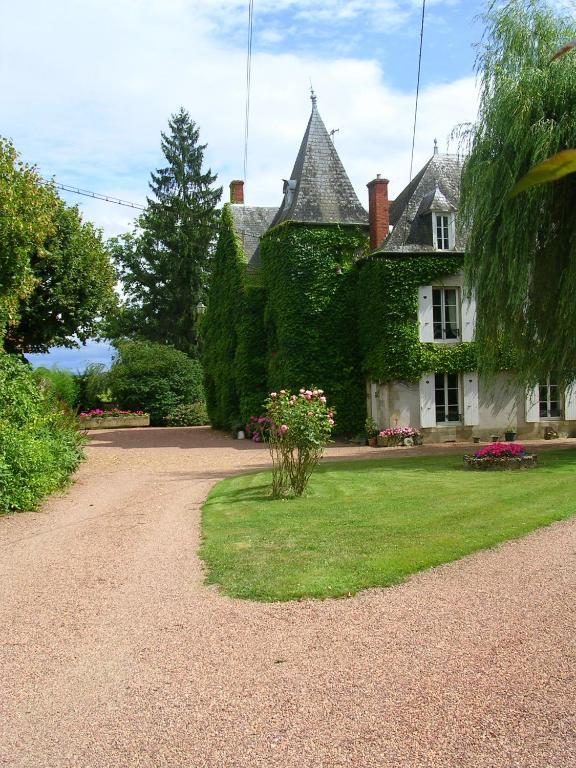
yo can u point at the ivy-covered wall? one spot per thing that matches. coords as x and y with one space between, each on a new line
310 314
388 318
220 326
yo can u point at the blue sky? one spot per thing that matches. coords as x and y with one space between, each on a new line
89 84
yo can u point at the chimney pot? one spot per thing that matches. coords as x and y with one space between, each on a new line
237 191
378 211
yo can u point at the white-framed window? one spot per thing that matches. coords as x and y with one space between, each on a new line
448 398
446 313
549 399
443 231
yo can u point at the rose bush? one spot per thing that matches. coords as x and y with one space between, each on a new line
300 427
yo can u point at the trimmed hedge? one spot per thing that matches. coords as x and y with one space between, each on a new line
40 445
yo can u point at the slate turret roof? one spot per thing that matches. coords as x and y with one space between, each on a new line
319 190
435 187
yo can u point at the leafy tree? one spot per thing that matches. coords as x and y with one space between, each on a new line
164 264
154 378
73 287
26 220
521 255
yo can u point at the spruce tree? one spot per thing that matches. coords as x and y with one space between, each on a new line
164 265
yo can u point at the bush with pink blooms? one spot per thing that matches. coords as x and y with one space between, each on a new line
501 456
109 413
398 435
300 426
258 429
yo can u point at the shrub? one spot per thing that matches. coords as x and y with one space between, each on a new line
39 443
111 413
93 386
398 435
188 415
258 429
501 456
63 384
154 378
300 427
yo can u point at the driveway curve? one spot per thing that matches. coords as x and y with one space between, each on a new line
115 655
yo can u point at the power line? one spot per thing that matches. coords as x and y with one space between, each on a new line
417 89
248 82
96 195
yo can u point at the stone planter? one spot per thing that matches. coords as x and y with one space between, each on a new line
113 422
490 463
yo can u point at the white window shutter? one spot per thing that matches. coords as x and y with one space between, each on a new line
471 414
427 401
425 316
570 402
468 317
532 404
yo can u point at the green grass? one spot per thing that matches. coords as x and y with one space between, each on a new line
372 523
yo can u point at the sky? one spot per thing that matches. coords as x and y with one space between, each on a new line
88 85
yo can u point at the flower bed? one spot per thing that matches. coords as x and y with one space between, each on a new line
501 456
113 418
399 436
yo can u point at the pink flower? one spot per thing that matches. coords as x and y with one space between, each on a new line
273 394
283 429
323 400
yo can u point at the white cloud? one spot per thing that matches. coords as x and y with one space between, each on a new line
88 85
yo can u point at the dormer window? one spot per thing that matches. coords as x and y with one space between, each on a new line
443 231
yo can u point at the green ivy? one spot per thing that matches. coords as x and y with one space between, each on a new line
388 318
220 326
318 314
310 314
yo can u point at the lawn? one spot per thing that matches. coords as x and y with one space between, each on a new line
372 523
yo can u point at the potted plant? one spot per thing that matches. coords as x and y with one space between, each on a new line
371 429
510 434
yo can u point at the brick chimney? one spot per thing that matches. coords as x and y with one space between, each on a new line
378 211
237 191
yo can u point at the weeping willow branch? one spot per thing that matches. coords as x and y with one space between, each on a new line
521 256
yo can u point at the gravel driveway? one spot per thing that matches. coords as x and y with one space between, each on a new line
114 654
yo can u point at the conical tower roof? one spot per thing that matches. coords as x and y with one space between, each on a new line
319 190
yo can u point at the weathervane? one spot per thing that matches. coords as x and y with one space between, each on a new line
312 93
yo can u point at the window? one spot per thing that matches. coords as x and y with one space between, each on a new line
442 223
549 402
447 394
445 311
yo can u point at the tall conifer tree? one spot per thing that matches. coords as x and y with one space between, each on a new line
164 265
